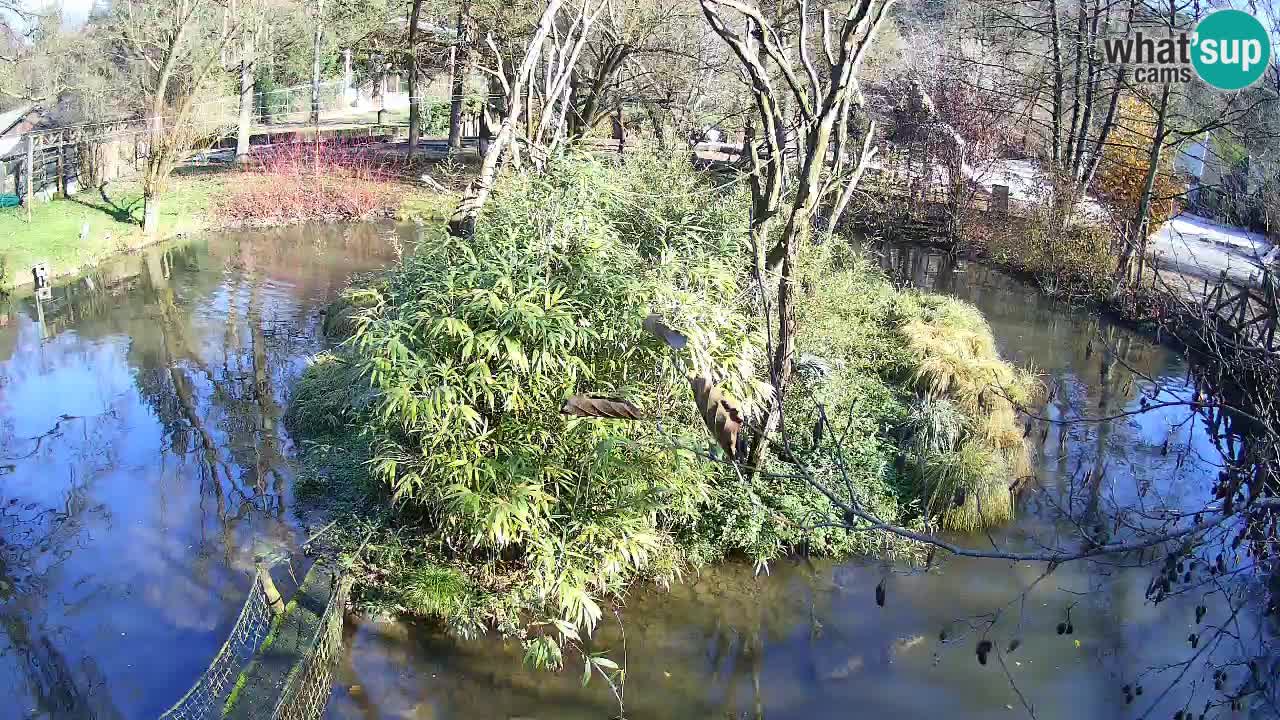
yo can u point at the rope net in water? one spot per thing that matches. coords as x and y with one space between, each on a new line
204 699
306 692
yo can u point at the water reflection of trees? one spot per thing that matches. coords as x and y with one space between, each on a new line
1140 446
35 540
211 333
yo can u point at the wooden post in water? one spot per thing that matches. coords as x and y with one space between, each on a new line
274 601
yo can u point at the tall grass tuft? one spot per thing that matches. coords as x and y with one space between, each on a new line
956 361
919 378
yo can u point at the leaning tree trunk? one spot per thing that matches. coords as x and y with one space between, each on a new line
415 104
462 223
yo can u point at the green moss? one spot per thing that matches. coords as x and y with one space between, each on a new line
267 642
238 688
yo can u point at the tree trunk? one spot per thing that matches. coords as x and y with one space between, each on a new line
457 86
246 98
150 214
1055 109
315 63
1140 225
415 104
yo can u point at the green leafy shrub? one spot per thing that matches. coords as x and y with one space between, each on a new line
464 355
459 360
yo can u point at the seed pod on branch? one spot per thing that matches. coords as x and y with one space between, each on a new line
658 328
595 406
721 416
983 648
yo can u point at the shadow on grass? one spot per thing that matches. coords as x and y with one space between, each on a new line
119 212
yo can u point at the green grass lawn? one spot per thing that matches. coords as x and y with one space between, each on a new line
113 216
114 219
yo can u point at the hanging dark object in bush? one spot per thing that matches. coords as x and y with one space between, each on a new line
722 418
984 647
658 328
601 407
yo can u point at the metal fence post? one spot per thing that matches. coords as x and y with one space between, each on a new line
31 163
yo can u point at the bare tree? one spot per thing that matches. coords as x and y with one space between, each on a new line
799 108
557 53
173 48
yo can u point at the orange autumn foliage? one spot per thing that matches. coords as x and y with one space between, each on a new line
1123 170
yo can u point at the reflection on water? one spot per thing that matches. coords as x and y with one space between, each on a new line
143 462
807 640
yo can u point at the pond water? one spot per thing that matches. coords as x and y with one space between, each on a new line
807 641
143 466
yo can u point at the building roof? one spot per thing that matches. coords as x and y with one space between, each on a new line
10 118
14 124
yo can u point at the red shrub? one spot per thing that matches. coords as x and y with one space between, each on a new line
296 181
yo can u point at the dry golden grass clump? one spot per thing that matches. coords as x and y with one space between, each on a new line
967 446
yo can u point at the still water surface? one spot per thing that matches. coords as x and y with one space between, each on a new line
143 465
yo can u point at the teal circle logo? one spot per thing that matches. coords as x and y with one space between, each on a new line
1231 49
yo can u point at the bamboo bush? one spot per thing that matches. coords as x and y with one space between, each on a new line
499 509
464 355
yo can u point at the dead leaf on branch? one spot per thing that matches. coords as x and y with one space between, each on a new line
721 416
657 327
596 406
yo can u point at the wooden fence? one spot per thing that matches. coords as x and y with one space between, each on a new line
1249 315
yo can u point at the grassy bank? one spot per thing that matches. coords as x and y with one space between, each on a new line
194 202
113 216
437 424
